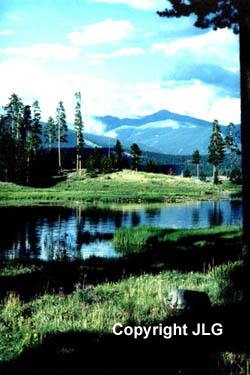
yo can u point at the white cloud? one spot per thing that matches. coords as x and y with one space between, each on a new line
102 97
148 35
15 17
107 31
220 46
96 58
139 4
91 125
227 110
6 32
195 99
45 51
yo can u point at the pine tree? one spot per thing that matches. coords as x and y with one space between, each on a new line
33 141
234 14
15 111
216 149
36 125
8 151
79 129
196 158
61 130
118 155
231 144
136 156
26 123
50 132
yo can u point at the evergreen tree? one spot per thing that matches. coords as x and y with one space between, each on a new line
196 158
234 14
231 144
118 155
8 151
216 149
79 128
136 156
36 125
33 127
50 132
61 130
15 111
26 123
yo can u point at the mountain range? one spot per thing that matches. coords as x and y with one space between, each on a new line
162 132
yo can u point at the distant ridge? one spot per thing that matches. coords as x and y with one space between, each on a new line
114 122
161 132
164 131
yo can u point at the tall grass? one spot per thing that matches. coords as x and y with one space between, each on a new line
134 239
135 300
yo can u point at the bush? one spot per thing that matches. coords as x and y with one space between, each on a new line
186 172
236 176
153 167
203 176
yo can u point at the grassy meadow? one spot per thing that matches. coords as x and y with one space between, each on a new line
124 186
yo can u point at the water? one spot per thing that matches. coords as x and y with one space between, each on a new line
52 232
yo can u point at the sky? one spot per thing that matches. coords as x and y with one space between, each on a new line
124 59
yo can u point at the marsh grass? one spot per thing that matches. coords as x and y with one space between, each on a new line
181 247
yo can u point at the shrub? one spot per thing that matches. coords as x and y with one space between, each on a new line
186 172
203 176
236 176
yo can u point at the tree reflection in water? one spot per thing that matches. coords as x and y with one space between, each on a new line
56 232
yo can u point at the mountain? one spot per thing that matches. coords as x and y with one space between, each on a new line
99 141
161 132
164 131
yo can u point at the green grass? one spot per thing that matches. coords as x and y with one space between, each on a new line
125 186
139 299
135 239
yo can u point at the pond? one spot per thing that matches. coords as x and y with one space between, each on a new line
51 232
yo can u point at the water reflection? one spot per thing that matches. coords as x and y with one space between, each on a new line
215 214
56 232
196 216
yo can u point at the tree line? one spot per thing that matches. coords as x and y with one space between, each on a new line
217 149
24 160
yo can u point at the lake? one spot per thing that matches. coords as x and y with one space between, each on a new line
51 232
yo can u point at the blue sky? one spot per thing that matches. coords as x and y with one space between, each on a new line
125 60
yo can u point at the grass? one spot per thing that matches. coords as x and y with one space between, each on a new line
137 300
134 238
186 249
125 186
